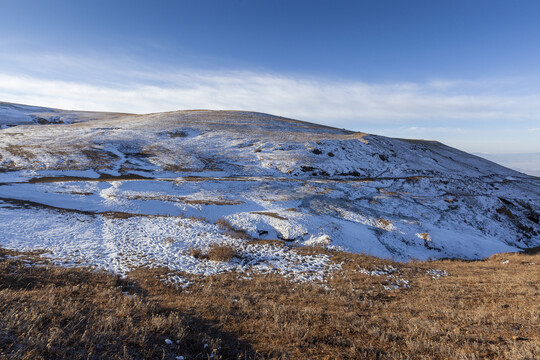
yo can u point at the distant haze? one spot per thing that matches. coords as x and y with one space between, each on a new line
525 163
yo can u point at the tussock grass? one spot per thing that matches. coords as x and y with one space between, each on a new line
221 253
231 230
216 253
482 309
49 312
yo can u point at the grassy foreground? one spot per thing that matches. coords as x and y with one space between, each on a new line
481 309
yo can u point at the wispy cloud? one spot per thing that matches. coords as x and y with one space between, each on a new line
305 98
436 129
475 115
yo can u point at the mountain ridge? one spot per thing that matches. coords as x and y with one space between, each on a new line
267 176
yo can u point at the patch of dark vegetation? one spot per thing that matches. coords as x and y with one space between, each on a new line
27 204
533 218
49 179
197 218
506 202
503 210
531 214
312 169
118 215
316 151
532 251
82 193
51 120
271 214
353 173
412 179
286 239
99 158
123 177
383 157
521 215
212 202
176 134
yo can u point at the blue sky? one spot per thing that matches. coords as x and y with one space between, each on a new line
463 72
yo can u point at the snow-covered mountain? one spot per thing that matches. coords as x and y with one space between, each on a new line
119 184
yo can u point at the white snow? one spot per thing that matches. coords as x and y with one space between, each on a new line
437 274
121 245
107 190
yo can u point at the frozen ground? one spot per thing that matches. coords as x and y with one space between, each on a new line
121 191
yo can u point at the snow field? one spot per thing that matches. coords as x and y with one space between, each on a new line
120 191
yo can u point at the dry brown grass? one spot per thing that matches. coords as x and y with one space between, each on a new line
21 151
82 193
270 213
483 309
231 230
212 202
197 218
185 200
48 312
118 215
197 253
216 253
221 253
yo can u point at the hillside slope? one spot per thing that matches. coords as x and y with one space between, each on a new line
66 178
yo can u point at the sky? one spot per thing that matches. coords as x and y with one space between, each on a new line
466 73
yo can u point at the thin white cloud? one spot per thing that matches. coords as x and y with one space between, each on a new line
474 115
333 102
436 130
